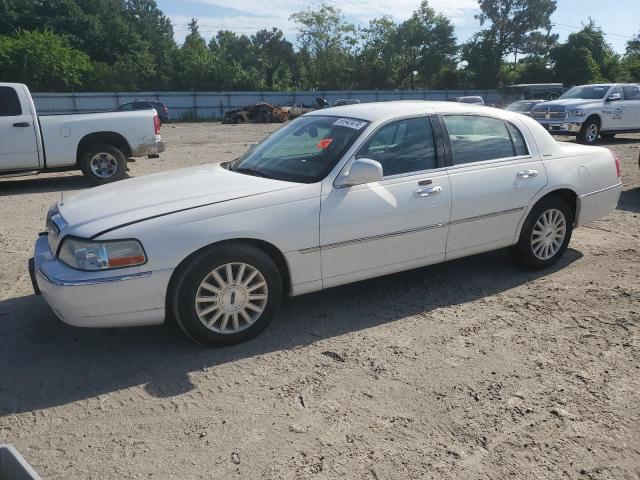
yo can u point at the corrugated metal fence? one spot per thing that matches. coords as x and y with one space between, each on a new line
210 105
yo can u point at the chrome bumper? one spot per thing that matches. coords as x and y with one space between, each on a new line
561 128
98 299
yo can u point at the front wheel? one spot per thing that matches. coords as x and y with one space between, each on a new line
227 295
545 234
589 132
103 163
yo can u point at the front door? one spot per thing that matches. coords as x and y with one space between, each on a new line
18 144
398 223
493 179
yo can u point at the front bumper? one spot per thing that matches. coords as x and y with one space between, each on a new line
561 128
117 298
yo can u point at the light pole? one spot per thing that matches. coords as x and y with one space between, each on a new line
414 74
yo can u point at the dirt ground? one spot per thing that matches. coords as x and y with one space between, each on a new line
471 369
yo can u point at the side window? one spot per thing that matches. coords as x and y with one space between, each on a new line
401 147
519 144
475 138
9 103
631 93
617 89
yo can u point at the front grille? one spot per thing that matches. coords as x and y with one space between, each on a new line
552 112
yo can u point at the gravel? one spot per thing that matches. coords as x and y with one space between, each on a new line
474 368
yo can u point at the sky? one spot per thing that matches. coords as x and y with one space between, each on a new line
619 19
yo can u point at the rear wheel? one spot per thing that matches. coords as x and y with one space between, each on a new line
227 295
589 132
103 163
545 234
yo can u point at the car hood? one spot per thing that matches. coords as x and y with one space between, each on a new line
119 203
567 102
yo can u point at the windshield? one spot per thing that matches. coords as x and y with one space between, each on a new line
304 150
590 92
521 106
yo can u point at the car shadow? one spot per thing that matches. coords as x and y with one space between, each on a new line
630 200
617 141
37 184
46 363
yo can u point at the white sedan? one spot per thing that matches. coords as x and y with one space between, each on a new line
335 196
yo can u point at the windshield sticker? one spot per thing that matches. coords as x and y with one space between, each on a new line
349 123
324 143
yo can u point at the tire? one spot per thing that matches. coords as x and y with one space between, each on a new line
103 163
607 136
228 325
589 132
530 249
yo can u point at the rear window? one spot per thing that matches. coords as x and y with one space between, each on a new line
476 139
9 103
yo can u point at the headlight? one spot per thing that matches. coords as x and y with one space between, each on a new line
93 256
576 112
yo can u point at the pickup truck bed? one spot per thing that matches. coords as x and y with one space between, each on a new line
99 144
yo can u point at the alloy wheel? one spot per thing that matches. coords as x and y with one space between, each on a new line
548 234
231 298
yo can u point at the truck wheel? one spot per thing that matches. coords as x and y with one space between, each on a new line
103 163
589 132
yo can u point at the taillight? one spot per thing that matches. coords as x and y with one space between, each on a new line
617 160
156 124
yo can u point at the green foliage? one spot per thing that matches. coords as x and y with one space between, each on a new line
631 61
61 45
513 27
44 60
327 43
586 57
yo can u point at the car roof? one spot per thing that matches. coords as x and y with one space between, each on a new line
388 110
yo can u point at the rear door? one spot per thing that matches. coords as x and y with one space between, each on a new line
632 102
18 140
493 179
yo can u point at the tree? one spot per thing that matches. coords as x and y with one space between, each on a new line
377 59
390 53
193 62
326 43
44 60
631 61
274 56
513 28
586 57
426 44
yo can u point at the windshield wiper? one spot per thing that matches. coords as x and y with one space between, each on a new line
251 171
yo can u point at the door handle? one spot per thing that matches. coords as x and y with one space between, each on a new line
428 191
527 174
22 124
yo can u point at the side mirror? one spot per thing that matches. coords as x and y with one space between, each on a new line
614 97
361 171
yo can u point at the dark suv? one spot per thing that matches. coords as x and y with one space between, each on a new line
160 108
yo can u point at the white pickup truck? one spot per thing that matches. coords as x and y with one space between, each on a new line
99 144
592 111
